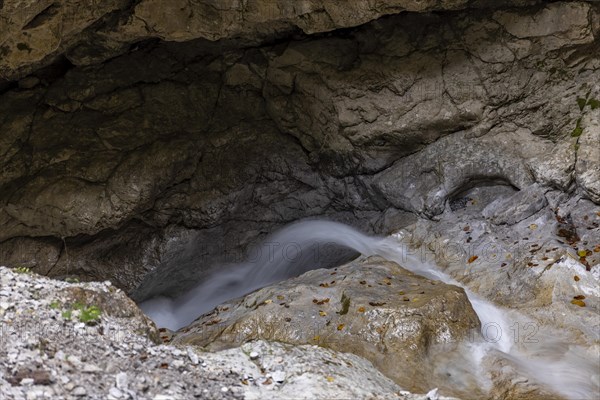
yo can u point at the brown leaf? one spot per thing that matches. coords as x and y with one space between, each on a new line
376 304
579 297
472 258
321 302
576 278
361 309
340 327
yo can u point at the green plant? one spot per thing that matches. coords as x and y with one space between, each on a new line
88 314
578 130
23 270
55 305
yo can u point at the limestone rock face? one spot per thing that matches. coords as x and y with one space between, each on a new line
308 372
36 32
372 308
156 141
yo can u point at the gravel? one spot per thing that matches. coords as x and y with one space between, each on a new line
47 351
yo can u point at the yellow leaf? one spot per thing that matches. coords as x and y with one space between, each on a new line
579 303
340 327
361 309
582 253
280 297
268 301
329 378
322 313
533 227
316 338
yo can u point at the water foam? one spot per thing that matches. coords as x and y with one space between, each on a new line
565 368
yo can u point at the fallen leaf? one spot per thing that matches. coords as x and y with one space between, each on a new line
269 301
401 293
280 297
467 228
579 303
361 309
329 379
472 258
340 327
576 278
316 338
582 253
321 302
322 313
533 227
324 284
579 297
375 304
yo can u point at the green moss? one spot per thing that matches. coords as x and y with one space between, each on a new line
345 304
55 305
593 103
581 103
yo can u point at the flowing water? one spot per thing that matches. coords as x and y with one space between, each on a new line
551 360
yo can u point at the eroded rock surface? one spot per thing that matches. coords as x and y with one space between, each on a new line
372 308
47 352
154 163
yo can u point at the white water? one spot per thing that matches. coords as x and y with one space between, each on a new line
552 361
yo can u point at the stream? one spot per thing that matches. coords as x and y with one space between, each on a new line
550 358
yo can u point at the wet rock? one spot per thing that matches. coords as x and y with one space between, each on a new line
372 308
